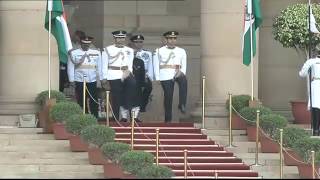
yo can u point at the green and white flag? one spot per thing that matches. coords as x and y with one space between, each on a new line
59 28
252 9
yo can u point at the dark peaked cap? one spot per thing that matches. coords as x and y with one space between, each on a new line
171 34
136 38
119 33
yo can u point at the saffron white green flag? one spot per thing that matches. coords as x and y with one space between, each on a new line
252 10
313 27
59 28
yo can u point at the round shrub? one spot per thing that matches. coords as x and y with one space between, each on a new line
239 102
291 135
61 111
44 95
77 122
114 150
304 146
250 113
97 134
155 172
271 123
134 161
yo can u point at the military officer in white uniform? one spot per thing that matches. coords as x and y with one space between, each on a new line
117 60
85 64
146 56
313 66
170 65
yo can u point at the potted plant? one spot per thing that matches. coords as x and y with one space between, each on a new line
304 147
96 135
59 113
290 28
270 124
112 151
250 116
238 102
290 136
44 105
135 161
74 125
155 172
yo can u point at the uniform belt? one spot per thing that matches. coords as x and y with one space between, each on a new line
118 68
170 66
86 67
315 78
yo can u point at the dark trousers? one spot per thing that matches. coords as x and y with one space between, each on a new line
147 89
93 91
168 88
315 121
63 77
123 94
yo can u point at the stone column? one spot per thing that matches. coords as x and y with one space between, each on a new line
221 53
24 56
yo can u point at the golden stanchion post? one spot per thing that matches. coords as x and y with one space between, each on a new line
257 140
203 101
84 94
185 164
107 108
313 165
281 154
132 130
157 147
230 122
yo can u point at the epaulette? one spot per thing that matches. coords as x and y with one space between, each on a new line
69 52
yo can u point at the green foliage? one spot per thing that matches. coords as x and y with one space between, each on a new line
114 150
61 111
304 146
291 135
317 158
97 134
291 28
271 123
239 102
43 96
250 113
155 172
134 161
76 122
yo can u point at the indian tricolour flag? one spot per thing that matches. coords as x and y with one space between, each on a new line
253 11
59 28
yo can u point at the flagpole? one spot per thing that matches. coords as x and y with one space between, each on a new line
310 96
49 53
251 48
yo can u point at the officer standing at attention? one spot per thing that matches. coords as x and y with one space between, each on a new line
170 65
85 64
146 56
313 65
117 60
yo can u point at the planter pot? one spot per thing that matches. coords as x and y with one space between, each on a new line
44 119
96 157
305 171
251 133
77 145
238 123
268 145
289 157
60 132
300 112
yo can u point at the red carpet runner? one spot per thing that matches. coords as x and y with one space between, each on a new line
205 157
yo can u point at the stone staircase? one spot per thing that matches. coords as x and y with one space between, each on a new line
27 154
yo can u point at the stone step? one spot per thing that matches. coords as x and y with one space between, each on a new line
224 140
274 171
223 132
46 155
51 168
213 123
241 147
43 142
43 161
36 148
17 130
51 175
27 136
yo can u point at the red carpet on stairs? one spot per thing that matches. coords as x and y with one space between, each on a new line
205 157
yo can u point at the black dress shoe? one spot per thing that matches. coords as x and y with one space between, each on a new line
182 109
137 120
315 133
123 120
